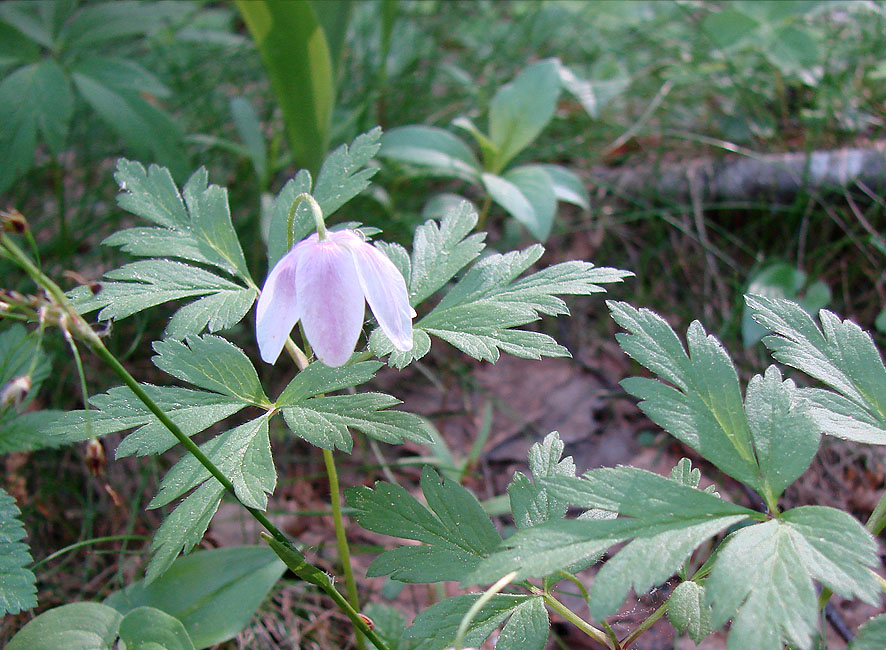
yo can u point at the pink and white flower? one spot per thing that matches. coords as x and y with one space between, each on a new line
325 283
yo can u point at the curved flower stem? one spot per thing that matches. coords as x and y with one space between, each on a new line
69 320
316 211
341 539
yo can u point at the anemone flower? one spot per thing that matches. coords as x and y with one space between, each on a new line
325 283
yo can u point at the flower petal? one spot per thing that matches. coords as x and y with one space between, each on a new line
385 291
330 301
277 310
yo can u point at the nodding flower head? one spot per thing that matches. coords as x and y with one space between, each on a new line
324 283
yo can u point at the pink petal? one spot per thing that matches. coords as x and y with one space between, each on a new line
277 310
385 291
330 301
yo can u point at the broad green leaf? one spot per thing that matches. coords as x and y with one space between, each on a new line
17 590
36 97
437 625
334 17
122 74
183 527
107 21
703 408
324 421
520 109
150 132
531 503
487 148
119 409
456 531
527 629
568 187
77 626
688 611
792 48
345 173
319 378
478 314
871 635
296 55
250 132
763 576
213 593
213 363
243 455
148 628
515 202
15 47
727 27
538 188
880 322
784 433
433 150
841 355
19 16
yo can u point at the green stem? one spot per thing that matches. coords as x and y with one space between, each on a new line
70 318
877 520
597 635
341 539
85 542
484 212
645 625
474 609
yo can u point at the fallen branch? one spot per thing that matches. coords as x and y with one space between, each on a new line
778 177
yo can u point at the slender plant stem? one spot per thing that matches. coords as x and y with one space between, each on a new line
85 542
474 609
484 212
877 520
341 539
597 635
645 625
68 318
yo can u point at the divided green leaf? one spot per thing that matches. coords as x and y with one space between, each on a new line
195 227
324 421
763 576
17 589
454 530
531 503
841 355
437 626
871 635
667 521
765 442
